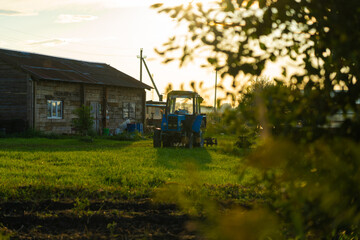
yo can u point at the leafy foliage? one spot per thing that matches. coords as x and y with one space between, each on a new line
316 37
311 186
84 121
270 107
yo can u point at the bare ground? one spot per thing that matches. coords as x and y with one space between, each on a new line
95 219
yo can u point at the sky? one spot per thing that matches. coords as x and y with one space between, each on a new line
108 31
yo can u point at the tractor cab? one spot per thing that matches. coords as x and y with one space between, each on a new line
182 109
183 104
182 122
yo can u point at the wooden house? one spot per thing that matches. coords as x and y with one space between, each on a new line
42 92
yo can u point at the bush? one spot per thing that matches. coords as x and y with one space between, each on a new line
84 122
313 188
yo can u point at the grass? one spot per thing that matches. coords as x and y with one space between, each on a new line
69 168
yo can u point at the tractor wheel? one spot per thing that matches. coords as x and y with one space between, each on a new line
166 141
157 138
201 139
191 140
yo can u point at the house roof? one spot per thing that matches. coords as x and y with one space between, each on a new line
43 67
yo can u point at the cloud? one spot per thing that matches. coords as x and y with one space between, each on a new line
15 13
3 43
31 6
65 18
48 43
53 42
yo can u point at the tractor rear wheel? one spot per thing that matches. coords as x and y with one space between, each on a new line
166 141
157 138
199 139
191 140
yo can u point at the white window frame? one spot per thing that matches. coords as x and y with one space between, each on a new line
55 109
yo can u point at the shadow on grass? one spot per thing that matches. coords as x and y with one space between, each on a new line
60 145
178 158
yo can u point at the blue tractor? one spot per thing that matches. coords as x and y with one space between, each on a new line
182 123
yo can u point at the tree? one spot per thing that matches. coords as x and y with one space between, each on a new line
312 188
84 121
269 106
320 38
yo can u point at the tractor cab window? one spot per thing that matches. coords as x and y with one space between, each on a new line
181 105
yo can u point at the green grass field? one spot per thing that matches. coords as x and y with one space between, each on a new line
75 189
68 168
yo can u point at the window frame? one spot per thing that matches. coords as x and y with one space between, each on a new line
50 112
129 110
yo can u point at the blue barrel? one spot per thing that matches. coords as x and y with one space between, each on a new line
139 128
131 127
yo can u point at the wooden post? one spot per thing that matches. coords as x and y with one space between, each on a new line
34 103
82 94
104 107
141 58
215 90
144 108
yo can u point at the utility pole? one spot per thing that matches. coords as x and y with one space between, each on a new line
215 90
141 62
152 80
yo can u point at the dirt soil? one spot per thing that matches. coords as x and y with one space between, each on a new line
95 219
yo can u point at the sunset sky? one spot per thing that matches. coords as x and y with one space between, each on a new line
109 31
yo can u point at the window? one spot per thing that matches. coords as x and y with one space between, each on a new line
181 105
129 110
55 109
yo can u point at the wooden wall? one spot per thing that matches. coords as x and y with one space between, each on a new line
23 102
74 95
69 93
13 98
116 97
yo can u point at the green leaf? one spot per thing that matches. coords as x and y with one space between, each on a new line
262 3
168 60
156 5
212 60
229 6
262 46
250 2
159 52
239 2
272 57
